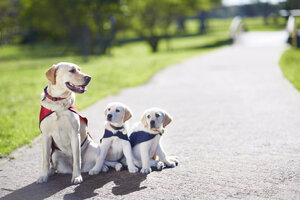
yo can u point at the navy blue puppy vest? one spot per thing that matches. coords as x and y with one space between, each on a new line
140 136
119 134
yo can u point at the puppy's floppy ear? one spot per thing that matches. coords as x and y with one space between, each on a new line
127 114
143 120
167 119
51 74
105 111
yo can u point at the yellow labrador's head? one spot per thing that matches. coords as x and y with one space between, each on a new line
67 76
156 118
117 113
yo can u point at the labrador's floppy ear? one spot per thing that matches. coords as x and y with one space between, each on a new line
143 120
167 119
127 114
51 74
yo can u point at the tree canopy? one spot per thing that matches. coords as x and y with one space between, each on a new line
92 24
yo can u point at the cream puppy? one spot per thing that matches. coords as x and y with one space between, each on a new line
67 146
115 143
145 141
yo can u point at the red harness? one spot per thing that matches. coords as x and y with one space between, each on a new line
46 112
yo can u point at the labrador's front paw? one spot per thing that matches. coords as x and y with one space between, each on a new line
146 170
133 169
94 171
118 167
42 179
77 179
44 176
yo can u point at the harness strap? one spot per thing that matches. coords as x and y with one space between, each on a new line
44 112
116 128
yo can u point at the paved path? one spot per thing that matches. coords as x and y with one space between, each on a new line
235 130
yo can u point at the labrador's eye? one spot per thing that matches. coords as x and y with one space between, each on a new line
148 116
117 110
108 109
157 115
72 70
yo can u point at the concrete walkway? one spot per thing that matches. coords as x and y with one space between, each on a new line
236 130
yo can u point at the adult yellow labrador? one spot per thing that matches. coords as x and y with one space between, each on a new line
67 146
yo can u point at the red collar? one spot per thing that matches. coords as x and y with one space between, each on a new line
50 97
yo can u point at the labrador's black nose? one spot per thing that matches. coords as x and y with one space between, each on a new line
87 79
109 116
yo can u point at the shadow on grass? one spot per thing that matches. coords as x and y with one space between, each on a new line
125 183
216 44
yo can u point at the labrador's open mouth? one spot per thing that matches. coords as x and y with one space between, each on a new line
76 88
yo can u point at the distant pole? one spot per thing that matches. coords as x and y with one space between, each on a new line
236 28
292 30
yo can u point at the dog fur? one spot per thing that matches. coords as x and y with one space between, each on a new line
65 128
113 148
153 121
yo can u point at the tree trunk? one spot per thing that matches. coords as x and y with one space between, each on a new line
85 41
202 19
153 41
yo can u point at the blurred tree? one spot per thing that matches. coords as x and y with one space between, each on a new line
8 25
86 23
200 9
292 4
151 19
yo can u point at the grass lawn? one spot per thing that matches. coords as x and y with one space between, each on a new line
218 25
290 66
22 78
222 25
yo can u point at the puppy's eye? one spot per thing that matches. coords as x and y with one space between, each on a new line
148 116
108 109
72 71
117 110
157 115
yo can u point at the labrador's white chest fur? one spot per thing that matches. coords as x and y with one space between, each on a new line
59 125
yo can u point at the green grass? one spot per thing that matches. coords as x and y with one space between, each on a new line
222 25
218 25
290 66
258 24
22 78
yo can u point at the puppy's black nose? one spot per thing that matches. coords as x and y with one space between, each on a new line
109 116
152 123
87 79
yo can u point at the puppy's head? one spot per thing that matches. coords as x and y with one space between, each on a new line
117 113
67 76
155 119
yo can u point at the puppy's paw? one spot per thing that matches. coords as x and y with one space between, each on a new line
94 171
42 179
146 170
173 159
133 169
171 164
160 165
77 179
105 168
118 167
